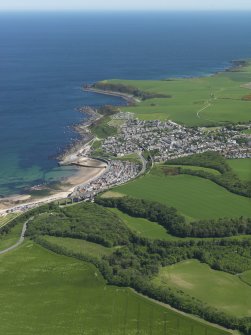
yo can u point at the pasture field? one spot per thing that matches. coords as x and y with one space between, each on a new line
11 238
242 167
200 101
112 194
144 227
246 277
221 290
192 196
80 246
64 296
102 128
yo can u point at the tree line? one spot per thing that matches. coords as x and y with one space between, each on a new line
227 179
138 259
135 264
175 223
122 88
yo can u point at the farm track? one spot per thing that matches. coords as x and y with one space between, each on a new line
18 243
202 109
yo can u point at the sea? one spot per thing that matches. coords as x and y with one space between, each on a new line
45 58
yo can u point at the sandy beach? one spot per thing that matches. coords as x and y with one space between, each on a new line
82 176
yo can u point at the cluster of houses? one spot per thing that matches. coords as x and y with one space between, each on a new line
117 172
168 140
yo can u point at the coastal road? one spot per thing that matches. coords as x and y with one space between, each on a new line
19 242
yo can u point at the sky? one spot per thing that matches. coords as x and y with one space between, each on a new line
90 5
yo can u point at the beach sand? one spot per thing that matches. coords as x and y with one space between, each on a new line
82 175
64 188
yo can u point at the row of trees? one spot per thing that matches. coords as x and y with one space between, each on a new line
227 179
222 227
138 259
175 223
122 88
134 266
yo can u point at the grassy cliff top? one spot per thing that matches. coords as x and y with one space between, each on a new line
201 101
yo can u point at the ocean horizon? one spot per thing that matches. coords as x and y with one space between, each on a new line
45 58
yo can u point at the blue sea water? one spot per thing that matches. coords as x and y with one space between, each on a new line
46 57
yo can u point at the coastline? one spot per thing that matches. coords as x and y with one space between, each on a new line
72 154
130 99
82 177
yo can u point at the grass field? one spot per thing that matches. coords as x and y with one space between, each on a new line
242 167
64 296
192 196
11 238
6 219
144 227
246 277
80 246
102 129
196 101
218 289
112 194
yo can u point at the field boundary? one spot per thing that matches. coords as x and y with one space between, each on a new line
193 317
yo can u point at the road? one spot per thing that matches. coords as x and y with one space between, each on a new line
19 242
144 162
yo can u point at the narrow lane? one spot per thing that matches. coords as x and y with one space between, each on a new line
19 242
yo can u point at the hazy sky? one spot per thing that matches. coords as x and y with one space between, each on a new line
125 4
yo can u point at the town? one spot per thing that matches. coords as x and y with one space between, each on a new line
169 140
164 140
117 172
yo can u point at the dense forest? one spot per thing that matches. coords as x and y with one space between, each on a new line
88 221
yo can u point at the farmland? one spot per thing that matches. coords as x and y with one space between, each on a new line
224 291
200 101
80 246
194 197
242 167
246 277
11 238
144 227
67 296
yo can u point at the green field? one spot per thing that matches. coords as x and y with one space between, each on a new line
246 277
102 129
65 296
11 238
218 289
192 196
242 167
80 246
144 227
195 101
